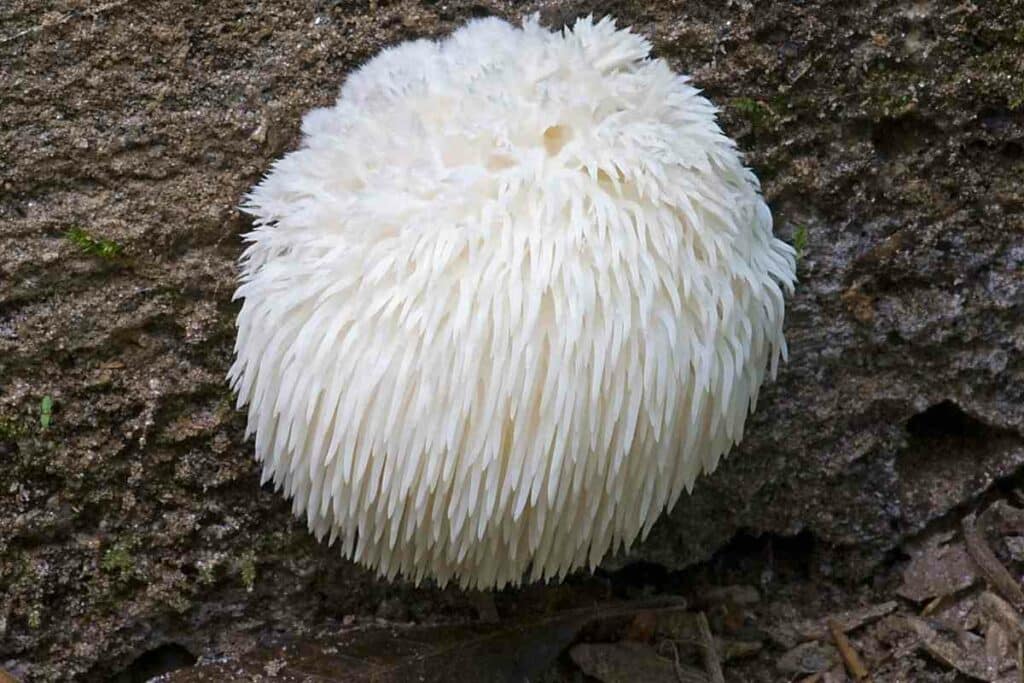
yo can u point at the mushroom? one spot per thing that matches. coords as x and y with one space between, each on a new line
512 295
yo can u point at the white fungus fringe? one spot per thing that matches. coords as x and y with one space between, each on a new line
514 293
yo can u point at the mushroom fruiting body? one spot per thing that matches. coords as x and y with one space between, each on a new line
511 296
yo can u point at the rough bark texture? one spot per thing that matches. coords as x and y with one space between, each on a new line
890 140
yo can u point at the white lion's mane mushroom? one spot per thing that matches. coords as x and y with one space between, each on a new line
512 295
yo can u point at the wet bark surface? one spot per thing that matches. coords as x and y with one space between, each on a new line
889 137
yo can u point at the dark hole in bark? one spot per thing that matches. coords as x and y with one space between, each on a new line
944 420
1013 151
748 557
638 577
152 663
902 135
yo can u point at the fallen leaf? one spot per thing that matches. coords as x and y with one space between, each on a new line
511 651
642 628
993 570
937 570
627 662
966 656
997 647
1002 612
1003 518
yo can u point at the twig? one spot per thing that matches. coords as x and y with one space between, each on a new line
994 571
677 665
934 605
850 657
684 673
711 663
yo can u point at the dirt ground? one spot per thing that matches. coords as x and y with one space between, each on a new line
135 539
